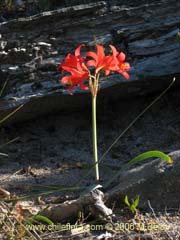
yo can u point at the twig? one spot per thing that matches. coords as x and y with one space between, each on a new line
149 204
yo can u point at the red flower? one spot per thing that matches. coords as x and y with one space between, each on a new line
119 64
74 64
100 61
76 78
74 61
114 62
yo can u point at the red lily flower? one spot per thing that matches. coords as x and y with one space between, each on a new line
100 61
114 62
74 64
76 78
118 59
74 61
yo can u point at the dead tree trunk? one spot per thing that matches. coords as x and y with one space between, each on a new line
31 48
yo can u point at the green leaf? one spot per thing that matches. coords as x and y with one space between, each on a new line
133 208
40 218
140 157
136 202
126 201
150 154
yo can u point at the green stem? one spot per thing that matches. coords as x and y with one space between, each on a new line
94 135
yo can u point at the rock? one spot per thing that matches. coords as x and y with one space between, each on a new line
30 50
155 181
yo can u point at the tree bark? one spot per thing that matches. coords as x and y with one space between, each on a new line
31 48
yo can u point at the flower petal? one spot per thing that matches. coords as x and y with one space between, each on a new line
66 80
107 72
91 63
78 49
121 57
73 71
100 52
114 51
124 73
83 87
92 54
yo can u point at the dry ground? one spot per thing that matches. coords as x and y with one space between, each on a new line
55 152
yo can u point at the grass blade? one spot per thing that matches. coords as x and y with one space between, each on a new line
9 142
10 114
3 87
3 154
40 218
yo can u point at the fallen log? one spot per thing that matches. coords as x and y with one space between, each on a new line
155 181
30 50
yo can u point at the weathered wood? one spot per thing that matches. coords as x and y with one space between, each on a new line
91 203
31 48
155 181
